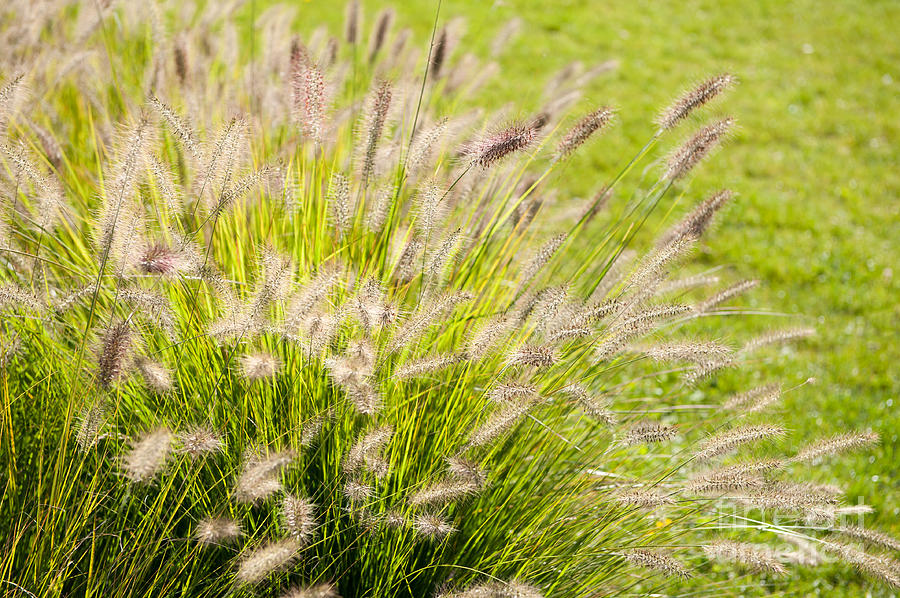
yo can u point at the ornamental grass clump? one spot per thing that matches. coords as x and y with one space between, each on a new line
294 321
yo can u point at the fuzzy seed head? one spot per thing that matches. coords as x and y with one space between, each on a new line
693 352
695 224
116 345
379 32
540 259
504 393
49 144
777 337
754 399
645 498
364 398
311 430
260 476
408 263
467 471
179 127
9 350
686 283
443 492
299 56
648 433
497 424
199 441
424 145
323 590
496 589
570 332
695 149
492 148
439 53
816 502
731 440
422 367
254 566
303 302
351 22
537 356
583 130
13 295
430 209
870 536
320 329
693 99
299 517
259 366
728 294
367 453
655 314
380 207
658 561
706 369
549 304
11 95
594 406
90 424
760 559
431 526
379 104
743 476
830 514
217 531
654 268
596 312
339 204
425 317
505 35
180 59
835 445
357 491
148 455
153 307
343 371
439 258
881 567
155 374
485 337
310 102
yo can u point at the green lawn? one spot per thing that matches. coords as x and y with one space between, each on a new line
814 163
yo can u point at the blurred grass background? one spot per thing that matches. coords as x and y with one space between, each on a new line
815 166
